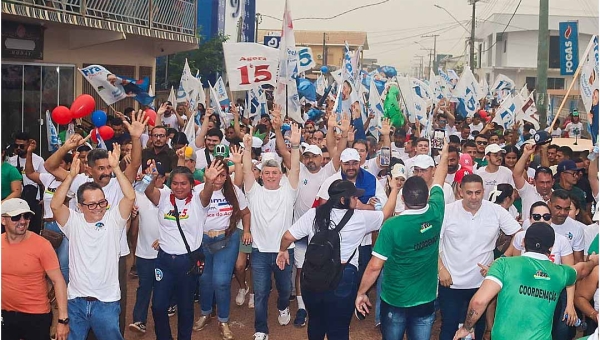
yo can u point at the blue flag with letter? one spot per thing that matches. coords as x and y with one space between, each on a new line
568 38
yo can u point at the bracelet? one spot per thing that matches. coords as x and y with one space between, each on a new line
295 147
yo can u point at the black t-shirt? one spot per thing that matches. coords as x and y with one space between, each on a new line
166 157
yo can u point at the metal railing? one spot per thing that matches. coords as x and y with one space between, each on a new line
178 16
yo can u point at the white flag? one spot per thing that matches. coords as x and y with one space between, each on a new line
588 80
249 65
375 108
306 61
466 93
524 93
337 76
188 86
286 92
505 115
529 112
503 83
200 91
221 92
321 85
108 85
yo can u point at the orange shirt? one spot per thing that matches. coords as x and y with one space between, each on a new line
24 266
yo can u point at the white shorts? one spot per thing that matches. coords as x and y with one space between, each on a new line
300 252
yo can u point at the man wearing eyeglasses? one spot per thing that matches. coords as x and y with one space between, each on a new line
494 173
159 150
568 176
27 259
542 180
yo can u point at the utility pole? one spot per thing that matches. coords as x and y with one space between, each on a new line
324 50
430 52
258 21
435 63
472 42
542 66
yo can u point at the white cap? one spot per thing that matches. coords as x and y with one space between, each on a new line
399 170
423 162
257 164
257 142
494 148
269 156
349 154
15 206
315 150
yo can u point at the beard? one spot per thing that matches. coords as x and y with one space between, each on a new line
453 168
312 166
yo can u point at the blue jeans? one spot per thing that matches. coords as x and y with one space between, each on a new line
62 252
172 278
263 264
145 271
560 329
378 299
216 279
453 307
397 320
330 312
101 317
364 256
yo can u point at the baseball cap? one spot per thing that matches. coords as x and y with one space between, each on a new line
398 170
539 237
257 142
461 173
575 113
423 162
466 161
221 150
269 156
14 207
315 150
342 187
349 154
542 137
494 148
190 154
566 165
257 164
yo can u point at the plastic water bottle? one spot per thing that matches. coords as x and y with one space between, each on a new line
594 154
580 324
143 184
378 206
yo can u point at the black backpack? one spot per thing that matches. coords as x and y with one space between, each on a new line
323 268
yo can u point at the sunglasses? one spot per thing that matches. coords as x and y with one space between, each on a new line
482 143
27 216
102 204
538 217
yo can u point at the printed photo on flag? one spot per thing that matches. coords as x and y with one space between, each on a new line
588 80
109 86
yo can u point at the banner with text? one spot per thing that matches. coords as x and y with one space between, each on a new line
569 48
250 65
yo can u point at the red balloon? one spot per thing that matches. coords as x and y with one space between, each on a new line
151 114
106 132
83 106
61 115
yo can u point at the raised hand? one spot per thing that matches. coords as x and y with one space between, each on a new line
31 146
151 169
235 154
529 149
75 165
385 128
75 140
138 124
114 156
162 109
181 152
296 133
331 122
351 132
212 172
345 123
248 140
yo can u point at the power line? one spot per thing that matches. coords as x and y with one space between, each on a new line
412 28
504 30
345 12
418 35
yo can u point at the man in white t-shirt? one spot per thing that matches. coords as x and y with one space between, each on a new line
94 247
467 241
542 180
271 207
494 173
574 127
476 123
312 174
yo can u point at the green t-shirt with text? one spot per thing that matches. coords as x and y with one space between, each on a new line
530 291
409 244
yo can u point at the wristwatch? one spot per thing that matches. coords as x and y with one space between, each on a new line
64 321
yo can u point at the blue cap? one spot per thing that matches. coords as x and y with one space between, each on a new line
567 165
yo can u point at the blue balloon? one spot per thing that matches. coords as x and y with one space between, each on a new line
99 118
314 114
389 71
324 69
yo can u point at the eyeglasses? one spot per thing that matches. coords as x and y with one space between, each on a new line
92 206
482 143
538 217
442 121
572 173
27 216
20 146
159 135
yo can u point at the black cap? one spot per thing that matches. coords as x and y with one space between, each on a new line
344 188
567 165
542 137
539 238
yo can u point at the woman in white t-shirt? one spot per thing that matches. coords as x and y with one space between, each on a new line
184 206
221 243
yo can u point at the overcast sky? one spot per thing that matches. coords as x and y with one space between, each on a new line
394 27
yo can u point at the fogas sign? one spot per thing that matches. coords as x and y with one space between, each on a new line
569 47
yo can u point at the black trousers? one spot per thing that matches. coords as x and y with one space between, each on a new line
17 325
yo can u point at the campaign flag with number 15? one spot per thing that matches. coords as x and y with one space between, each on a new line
250 65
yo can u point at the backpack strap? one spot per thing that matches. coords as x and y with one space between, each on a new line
344 220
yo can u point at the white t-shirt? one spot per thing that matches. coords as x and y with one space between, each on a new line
361 223
201 158
561 246
490 180
38 166
574 129
94 255
449 196
219 210
170 122
529 195
50 184
401 151
571 229
556 133
372 166
192 217
271 214
468 239
148 229
270 146
450 178
112 193
308 187
477 127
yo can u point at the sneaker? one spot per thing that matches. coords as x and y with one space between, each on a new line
171 310
133 272
284 317
202 322
240 298
300 320
225 331
261 336
251 301
138 327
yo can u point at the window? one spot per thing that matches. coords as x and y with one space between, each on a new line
553 83
554 53
530 83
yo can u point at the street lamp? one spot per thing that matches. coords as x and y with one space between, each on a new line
472 32
452 16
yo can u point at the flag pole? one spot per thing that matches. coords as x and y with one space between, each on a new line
575 76
286 100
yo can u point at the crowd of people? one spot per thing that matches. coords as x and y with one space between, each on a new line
496 229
